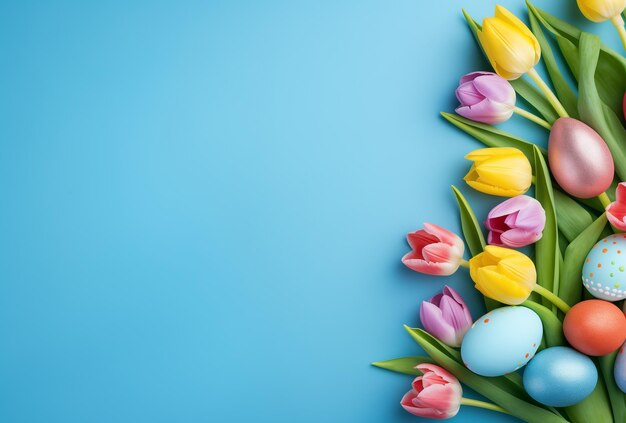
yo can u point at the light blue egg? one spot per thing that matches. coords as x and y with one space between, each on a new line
502 341
604 271
560 377
619 371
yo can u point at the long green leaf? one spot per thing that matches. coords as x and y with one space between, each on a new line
552 326
571 217
547 248
570 289
591 107
472 231
595 408
616 396
485 386
404 365
491 136
611 64
564 92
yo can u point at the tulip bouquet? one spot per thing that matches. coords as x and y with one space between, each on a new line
550 348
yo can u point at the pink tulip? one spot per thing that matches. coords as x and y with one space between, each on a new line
446 317
435 395
485 97
516 222
616 211
435 251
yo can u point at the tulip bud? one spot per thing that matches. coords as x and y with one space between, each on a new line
516 222
446 317
509 45
436 394
601 10
502 171
616 211
485 97
435 251
503 274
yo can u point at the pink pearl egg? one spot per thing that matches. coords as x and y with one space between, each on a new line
579 158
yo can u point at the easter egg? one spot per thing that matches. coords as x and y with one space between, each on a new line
619 369
579 158
604 271
560 377
595 327
502 341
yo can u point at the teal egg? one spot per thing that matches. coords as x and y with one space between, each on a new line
604 270
502 341
560 377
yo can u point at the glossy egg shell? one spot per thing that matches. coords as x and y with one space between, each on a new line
502 341
604 271
579 159
595 327
560 377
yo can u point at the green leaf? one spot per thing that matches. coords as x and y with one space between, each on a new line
563 91
616 396
571 216
472 231
611 64
591 108
547 255
570 289
527 91
404 365
499 390
491 136
552 326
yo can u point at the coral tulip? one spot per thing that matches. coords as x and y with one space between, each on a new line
509 45
435 251
485 97
503 274
502 171
616 211
446 317
516 222
436 394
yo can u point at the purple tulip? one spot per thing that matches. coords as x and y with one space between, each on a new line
517 222
485 97
446 317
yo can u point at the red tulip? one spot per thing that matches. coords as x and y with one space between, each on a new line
436 394
616 211
435 251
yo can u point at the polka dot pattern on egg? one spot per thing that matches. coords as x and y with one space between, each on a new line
604 270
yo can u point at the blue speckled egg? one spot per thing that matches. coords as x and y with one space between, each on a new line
502 341
619 371
560 377
604 271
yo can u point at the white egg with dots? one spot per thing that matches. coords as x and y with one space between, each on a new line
604 270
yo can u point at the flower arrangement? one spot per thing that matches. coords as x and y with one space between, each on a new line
550 348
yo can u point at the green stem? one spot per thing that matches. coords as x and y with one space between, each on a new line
548 93
465 263
548 295
532 117
604 199
618 23
483 404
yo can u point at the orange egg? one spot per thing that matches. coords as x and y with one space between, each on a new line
595 327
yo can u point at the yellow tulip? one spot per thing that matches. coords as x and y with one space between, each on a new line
510 46
601 10
502 171
503 274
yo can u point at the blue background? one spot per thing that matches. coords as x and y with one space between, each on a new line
203 204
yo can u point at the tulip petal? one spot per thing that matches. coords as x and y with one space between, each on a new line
422 266
419 239
486 111
434 323
496 89
519 237
504 14
500 288
468 95
446 375
473 75
438 253
493 238
444 235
